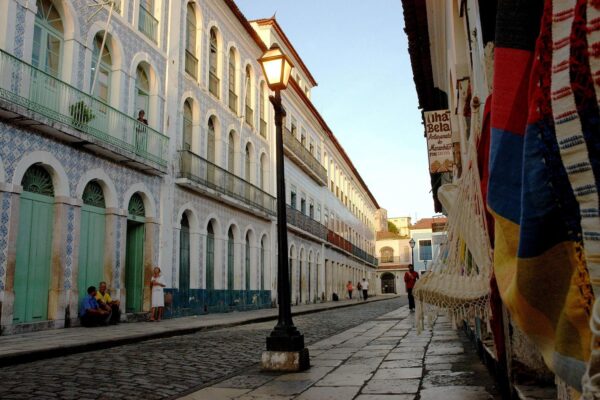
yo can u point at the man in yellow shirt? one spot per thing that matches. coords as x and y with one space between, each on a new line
108 303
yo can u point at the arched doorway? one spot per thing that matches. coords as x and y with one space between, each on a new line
134 254
230 259
34 246
210 257
388 283
247 263
91 242
184 262
301 282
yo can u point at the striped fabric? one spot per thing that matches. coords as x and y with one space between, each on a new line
542 183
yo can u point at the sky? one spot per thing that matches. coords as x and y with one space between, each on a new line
357 52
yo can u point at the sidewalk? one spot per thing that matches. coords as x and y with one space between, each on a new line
57 342
383 359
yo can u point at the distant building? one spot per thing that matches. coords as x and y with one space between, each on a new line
403 225
428 234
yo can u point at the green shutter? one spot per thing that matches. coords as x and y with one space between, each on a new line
134 266
184 263
91 248
34 249
210 260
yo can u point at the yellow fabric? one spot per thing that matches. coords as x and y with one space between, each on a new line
103 298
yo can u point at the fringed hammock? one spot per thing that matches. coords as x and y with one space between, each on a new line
458 281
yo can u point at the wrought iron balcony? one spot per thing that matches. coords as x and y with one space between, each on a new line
148 24
41 94
191 64
249 116
213 84
303 158
201 171
384 260
306 223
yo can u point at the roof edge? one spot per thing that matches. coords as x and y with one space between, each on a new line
272 21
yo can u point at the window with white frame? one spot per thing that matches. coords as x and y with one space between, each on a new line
425 250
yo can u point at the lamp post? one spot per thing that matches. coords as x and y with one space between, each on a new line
285 345
412 251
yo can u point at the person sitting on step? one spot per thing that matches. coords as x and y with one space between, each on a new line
90 312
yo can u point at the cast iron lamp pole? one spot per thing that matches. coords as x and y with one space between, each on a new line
285 344
412 251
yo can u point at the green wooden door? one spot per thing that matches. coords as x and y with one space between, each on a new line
134 266
210 258
184 263
34 250
230 261
91 248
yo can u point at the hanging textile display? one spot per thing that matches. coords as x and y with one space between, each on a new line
458 281
542 189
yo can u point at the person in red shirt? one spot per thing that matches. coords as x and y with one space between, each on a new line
410 278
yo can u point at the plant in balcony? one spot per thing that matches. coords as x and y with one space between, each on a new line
81 114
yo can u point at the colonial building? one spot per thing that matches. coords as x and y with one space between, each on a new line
93 189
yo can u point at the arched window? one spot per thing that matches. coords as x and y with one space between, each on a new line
147 22
233 99
210 257
47 38
262 103
247 262
188 125
248 96
387 255
142 91
191 60
263 256
230 259
210 141
102 84
231 153
263 172
213 68
248 161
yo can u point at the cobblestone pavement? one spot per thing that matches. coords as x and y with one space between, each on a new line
167 367
383 359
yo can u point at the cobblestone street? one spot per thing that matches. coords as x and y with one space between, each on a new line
383 359
167 367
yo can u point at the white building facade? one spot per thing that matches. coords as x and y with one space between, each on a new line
91 191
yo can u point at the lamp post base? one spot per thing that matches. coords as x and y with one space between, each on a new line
285 361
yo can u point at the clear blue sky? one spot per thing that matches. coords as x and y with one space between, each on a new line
357 52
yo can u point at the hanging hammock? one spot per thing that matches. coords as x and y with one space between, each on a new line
458 281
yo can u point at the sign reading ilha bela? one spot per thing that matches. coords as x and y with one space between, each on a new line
439 140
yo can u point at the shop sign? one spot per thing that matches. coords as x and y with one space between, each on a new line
438 131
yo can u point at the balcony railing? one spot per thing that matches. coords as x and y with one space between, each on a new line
393 260
249 116
191 64
344 244
213 84
306 223
263 128
303 157
233 101
26 86
203 172
147 24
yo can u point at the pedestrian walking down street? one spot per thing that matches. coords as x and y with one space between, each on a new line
359 290
349 288
365 289
158 295
410 278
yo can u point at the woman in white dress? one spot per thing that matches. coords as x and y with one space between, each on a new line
157 283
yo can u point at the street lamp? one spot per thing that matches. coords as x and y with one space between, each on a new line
285 345
412 251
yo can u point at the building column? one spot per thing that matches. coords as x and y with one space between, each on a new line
9 227
63 294
150 257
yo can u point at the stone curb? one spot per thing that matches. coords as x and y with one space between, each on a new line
58 351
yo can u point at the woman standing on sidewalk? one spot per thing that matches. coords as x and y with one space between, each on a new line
157 283
349 288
